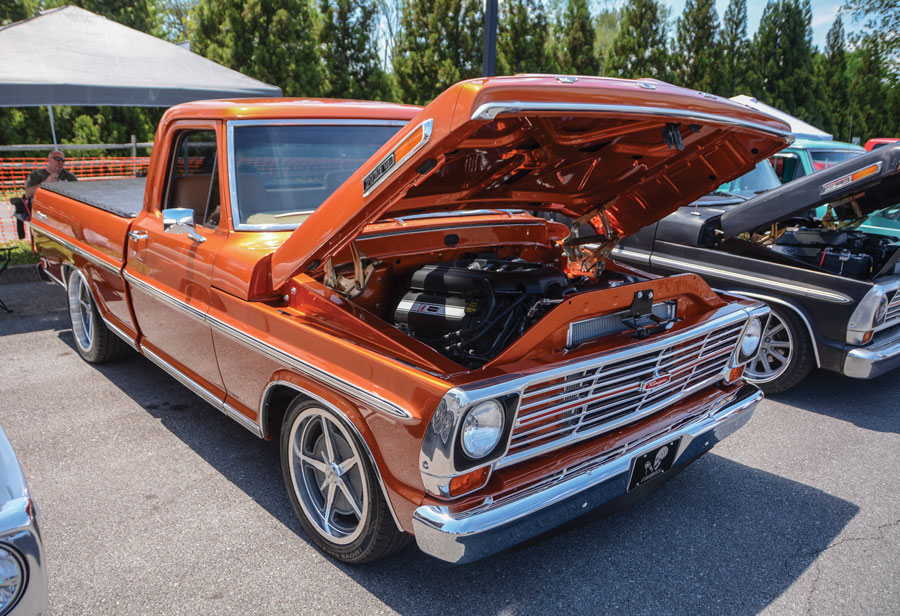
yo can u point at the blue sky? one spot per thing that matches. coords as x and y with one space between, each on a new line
824 12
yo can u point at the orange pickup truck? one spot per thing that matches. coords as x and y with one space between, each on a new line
368 284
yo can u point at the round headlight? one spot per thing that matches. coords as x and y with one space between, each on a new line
12 578
881 312
752 338
482 429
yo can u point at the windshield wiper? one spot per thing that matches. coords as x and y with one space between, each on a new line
724 193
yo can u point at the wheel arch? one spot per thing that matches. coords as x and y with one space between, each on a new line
278 396
787 304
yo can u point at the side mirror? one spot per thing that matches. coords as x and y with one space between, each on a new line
180 220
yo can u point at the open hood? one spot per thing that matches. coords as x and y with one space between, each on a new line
875 173
620 153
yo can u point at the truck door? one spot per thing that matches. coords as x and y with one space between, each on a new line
169 267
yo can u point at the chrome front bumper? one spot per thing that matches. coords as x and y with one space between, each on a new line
872 361
461 537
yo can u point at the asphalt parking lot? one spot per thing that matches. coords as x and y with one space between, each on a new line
154 503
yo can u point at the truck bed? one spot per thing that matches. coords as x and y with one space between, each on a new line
123 198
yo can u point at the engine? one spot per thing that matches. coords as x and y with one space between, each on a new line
470 310
848 253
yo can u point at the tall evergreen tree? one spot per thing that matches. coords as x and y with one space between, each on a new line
781 67
639 50
440 43
697 61
868 87
349 50
522 38
735 49
831 72
574 49
607 20
883 22
272 41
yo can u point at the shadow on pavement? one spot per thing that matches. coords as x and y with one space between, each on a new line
830 394
35 306
721 537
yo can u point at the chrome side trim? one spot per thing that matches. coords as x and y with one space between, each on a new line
263 415
792 288
119 332
201 391
277 354
489 111
232 166
76 249
797 311
370 236
51 276
165 297
635 255
309 370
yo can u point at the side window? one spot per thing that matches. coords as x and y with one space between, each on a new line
787 167
193 177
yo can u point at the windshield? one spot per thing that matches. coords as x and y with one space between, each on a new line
823 159
283 173
760 179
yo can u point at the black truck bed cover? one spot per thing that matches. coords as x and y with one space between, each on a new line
123 198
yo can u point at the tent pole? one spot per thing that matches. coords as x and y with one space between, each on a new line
52 127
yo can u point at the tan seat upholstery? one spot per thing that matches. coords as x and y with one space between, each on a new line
191 191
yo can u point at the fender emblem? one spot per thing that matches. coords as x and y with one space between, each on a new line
657 381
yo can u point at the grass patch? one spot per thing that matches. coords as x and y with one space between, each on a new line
21 253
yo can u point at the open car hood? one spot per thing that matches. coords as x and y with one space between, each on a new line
621 153
874 173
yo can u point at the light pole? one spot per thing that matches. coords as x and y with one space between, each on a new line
489 58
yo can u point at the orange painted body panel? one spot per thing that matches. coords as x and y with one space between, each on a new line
245 310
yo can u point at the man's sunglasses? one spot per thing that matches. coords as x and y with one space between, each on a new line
59 159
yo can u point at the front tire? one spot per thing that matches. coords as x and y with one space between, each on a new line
93 340
786 356
333 487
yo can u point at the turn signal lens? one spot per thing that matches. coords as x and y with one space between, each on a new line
867 337
468 482
734 374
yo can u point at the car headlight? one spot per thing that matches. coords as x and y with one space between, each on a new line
12 579
482 429
751 340
881 311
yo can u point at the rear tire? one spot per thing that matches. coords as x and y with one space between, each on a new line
93 340
786 357
333 487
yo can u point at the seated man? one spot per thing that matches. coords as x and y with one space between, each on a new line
53 172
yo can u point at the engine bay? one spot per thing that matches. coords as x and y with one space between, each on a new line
844 252
471 309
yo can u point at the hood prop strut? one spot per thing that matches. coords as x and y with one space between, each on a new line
355 284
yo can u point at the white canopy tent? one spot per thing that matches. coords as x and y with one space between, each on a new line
801 129
70 56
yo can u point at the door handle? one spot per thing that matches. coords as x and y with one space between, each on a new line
137 236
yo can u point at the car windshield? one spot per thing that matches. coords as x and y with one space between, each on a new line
283 173
758 180
822 159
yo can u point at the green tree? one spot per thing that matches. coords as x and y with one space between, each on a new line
138 14
522 38
16 10
869 88
735 49
271 40
607 22
831 73
781 66
883 22
439 43
349 51
639 49
697 58
574 41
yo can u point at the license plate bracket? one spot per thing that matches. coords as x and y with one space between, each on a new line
653 463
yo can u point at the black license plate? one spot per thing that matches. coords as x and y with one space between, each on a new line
653 464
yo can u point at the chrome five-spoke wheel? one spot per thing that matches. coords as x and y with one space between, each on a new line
81 311
328 476
333 485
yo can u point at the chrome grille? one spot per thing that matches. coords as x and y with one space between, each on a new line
893 310
615 392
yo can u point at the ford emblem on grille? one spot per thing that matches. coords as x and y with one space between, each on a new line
656 381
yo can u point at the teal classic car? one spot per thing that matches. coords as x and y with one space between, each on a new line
806 156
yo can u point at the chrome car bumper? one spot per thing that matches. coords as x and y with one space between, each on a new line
872 361
466 536
19 532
